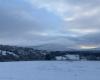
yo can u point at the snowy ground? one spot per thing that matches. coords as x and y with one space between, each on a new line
50 70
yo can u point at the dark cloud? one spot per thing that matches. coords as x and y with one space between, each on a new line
91 39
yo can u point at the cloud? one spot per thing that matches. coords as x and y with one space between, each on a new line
88 47
32 22
68 10
80 18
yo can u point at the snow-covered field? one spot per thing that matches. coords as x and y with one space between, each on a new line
50 70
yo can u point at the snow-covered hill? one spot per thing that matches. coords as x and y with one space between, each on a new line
61 47
50 70
53 47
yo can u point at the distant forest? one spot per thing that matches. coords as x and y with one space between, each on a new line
14 53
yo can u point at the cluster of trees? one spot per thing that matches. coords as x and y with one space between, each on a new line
81 55
13 53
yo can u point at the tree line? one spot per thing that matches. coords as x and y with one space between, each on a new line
15 53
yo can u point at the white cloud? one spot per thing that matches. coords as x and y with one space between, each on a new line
67 11
84 31
88 46
36 33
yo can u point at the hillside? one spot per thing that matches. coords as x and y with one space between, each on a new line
15 53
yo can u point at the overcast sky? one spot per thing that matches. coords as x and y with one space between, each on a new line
35 22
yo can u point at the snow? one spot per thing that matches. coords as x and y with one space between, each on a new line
50 70
68 57
4 53
73 57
